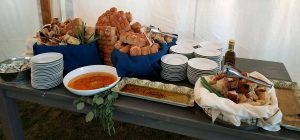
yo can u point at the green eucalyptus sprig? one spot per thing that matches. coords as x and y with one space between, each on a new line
80 33
101 108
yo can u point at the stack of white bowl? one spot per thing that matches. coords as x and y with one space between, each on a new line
47 70
174 67
214 55
200 67
185 50
211 45
214 46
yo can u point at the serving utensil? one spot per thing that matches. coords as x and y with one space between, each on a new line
155 30
231 72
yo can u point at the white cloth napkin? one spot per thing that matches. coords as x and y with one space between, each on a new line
269 116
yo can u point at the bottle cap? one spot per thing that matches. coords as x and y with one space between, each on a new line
231 42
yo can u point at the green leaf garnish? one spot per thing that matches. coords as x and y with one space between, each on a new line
89 117
80 105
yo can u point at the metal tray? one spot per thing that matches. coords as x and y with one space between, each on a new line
292 86
157 85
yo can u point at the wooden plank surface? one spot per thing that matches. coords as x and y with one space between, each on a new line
46 11
11 123
180 120
272 70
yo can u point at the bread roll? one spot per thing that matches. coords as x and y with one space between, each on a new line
154 48
128 16
145 50
135 51
137 39
106 31
125 49
108 40
118 44
136 27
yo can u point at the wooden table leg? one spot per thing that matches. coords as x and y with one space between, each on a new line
10 119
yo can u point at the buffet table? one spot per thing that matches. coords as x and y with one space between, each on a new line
186 121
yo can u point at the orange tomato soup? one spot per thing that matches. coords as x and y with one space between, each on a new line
92 80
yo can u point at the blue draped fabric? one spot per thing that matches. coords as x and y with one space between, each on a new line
75 56
140 66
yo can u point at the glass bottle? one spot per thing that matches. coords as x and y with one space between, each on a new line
229 58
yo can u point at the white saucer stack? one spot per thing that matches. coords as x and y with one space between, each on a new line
188 42
47 70
211 45
185 50
211 54
173 67
200 67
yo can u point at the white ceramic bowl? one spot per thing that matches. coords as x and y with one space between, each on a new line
187 42
88 69
212 45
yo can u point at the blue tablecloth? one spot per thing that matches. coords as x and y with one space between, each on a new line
140 66
75 56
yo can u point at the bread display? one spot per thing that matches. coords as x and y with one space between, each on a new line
72 31
237 90
117 31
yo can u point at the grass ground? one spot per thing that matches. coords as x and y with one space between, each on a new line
45 123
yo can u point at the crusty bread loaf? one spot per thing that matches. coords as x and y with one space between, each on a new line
136 27
154 48
125 49
145 50
135 51
106 31
132 38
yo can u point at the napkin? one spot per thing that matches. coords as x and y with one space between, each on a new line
269 116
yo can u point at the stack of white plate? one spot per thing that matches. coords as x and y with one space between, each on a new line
212 45
47 70
214 55
187 51
173 67
188 42
200 67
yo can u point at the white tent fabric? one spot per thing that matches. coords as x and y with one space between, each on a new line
266 30
19 22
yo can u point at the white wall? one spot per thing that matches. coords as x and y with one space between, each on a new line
162 13
266 30
19 22
263 29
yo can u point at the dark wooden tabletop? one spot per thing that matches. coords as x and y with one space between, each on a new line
187 121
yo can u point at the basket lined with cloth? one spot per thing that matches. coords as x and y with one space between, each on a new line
75 56
267 116
145 66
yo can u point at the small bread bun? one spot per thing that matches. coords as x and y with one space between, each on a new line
154 48
136 27
125 49
135 51
145 50
118 45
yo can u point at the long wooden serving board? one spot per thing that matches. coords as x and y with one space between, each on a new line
157 86
288 96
